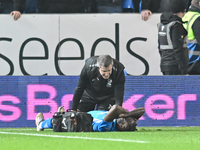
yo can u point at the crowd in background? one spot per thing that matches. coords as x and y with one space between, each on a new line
145 7
172 47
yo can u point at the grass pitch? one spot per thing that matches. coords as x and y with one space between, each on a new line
147 138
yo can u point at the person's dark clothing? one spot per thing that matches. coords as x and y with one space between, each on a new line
66 6
157 5
108 6
172 73
31 6
85 106
90 6
7 6
194 68
152 5
136 6
93 89
174 59
188 4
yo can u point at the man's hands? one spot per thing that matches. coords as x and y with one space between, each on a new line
145 14
16 15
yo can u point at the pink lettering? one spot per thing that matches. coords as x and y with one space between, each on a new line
65 101
16 112
182 99
150 106
129 104
32 101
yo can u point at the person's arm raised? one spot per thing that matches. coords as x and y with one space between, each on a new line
114 113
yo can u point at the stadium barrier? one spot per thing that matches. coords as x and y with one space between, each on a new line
63 42
168 100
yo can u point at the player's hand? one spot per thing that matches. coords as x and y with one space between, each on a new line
145 14
75 110
16 15
122 116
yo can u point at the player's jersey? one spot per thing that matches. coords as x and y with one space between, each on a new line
99 124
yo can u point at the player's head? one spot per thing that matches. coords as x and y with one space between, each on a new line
178 6
196 3
105 64
126 124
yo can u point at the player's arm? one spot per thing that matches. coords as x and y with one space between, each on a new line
135 114
119 89
79 89
146 12
19 5
114 113
119 112
18 8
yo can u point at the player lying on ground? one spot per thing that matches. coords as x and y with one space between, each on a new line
116 119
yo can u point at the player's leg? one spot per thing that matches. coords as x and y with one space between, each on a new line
41 123
45 124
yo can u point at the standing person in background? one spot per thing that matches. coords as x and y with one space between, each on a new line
101 83
152 6
66 6
118 6
129 6
172 41
12 7
155 6
188 4
31 6
109 6
192 19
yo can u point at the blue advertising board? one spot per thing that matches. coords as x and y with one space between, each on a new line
168 100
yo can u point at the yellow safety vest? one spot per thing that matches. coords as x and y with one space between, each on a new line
189 18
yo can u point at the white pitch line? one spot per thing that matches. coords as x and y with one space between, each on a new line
75 137
26 129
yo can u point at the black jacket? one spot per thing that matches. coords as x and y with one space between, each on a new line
92 87
188 4
159 5
154 5
12 5
108 6
66 6
175 59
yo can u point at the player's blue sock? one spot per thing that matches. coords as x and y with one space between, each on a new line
46 124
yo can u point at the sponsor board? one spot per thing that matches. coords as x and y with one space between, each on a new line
168 100
59 44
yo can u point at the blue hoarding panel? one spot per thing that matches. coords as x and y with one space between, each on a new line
168 100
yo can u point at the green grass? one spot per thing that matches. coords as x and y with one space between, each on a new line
147 138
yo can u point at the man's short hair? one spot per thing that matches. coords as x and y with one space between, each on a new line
104 60
178 6
195 3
